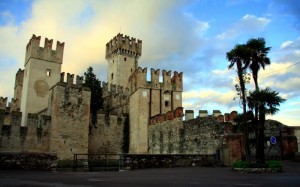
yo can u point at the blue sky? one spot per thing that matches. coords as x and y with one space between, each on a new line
179 35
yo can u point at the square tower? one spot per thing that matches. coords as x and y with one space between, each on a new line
42 71
122 54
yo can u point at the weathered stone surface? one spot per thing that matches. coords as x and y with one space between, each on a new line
15 160
139 161
107 135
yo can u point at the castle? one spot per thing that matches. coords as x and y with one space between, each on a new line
58 108
50 111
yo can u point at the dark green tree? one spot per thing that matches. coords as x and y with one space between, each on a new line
91 81
239 57
267 102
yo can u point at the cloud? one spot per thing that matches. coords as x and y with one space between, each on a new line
286 44
282 74
89 25
210 96
248 24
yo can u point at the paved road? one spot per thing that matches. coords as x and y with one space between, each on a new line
193 176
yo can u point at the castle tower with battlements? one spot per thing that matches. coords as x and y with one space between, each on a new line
42 71
122 54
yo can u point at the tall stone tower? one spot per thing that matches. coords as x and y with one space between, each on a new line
42 71
122 53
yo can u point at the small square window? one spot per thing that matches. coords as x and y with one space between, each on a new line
167 103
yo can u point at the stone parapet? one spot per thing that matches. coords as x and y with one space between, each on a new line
33 50
32 161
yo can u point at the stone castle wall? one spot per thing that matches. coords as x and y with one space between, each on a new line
197 136
62 127
69 108
14 137
107 136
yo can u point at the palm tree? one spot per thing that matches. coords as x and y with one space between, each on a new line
239 56
258 58
267 102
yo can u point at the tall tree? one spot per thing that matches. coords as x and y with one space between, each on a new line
267 102
240 56
258 60
258 57
91 81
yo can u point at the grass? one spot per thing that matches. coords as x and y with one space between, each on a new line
272 164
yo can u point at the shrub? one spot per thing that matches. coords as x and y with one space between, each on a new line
240 164
274 164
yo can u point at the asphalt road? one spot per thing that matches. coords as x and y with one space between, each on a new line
193 176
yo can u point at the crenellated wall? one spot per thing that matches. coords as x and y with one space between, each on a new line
69 108
227 117
138 79
3 103
41 71
123 45
14 137
33 50
107 135
62 127
18 88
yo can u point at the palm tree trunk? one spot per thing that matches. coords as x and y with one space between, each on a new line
246 130
261 136
256 122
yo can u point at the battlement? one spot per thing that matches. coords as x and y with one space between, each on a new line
227 117
139 79
170 115
113 90
33 50
124 45
70 80
19 77
3 103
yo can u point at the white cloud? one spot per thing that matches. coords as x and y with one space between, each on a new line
255 22
286 43
248 24
89 25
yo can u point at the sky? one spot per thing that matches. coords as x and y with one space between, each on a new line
189 36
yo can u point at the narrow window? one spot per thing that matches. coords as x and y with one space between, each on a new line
166 103
125 59
112 76
48 72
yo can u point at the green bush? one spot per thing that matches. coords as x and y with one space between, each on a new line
274 164
240 164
